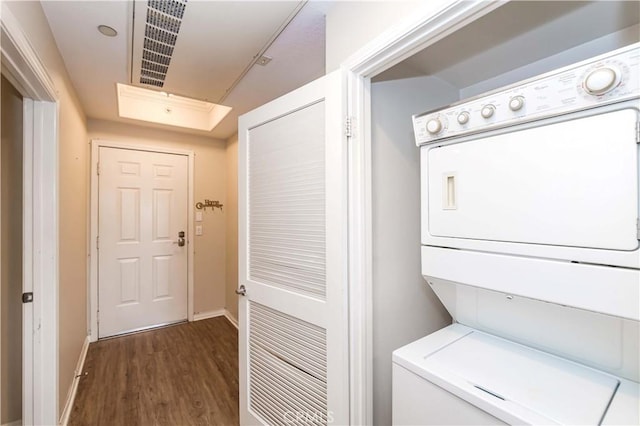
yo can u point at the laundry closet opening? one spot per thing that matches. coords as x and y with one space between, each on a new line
516 41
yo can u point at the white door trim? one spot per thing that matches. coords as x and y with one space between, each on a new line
24 69
424 27
96 144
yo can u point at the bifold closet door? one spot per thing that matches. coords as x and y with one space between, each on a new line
293 259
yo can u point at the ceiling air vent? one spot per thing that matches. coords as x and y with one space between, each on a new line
160 34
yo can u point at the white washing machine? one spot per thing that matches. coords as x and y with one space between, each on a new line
530 238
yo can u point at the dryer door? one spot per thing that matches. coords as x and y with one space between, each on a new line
572 183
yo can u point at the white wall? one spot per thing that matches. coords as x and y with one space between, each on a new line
584 51
404 306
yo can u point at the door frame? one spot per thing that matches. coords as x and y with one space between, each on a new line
96 144
425 26
22 66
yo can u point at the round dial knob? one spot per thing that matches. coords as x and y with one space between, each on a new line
601 80
516 103
487 111
463 117
434 126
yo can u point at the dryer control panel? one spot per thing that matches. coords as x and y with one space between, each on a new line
609 78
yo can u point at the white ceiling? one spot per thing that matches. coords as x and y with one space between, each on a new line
217 41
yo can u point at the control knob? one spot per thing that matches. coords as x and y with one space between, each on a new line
601 80
487 111
516 103
434 126
463 117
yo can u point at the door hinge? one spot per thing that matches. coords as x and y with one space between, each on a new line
638 228
98 168
348 127
637 131
98 242
27 297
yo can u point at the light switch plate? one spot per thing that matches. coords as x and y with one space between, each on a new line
198 216
198 229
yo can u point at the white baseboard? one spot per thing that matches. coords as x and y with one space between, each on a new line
71 395
14 423
231 318
217 313
208 314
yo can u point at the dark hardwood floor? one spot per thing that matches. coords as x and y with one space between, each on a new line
185 374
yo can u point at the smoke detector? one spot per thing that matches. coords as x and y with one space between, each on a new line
264 60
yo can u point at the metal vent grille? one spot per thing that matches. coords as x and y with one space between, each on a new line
160 35
159 48
154 75
173 8
162 21
151 82
287 368
155 57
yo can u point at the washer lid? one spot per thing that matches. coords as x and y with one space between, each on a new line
559 390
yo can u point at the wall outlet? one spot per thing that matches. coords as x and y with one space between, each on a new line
198 229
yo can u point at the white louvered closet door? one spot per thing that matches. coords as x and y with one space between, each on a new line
293 259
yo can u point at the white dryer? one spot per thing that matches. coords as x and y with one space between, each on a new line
530 238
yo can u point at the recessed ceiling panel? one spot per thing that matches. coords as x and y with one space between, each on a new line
138 103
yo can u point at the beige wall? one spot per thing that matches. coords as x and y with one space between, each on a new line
232 226
73 160
210 183
11 268
353 24
73 232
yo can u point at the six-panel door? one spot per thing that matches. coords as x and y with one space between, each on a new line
142 279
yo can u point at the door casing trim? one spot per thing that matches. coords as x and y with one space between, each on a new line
96 144
22 66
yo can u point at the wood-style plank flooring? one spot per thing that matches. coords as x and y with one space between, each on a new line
185 374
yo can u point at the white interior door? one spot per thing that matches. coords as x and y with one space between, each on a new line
293 259
142 266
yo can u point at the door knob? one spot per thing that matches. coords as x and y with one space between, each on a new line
242 291
181 239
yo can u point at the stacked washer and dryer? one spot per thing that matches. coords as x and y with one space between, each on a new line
530 238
